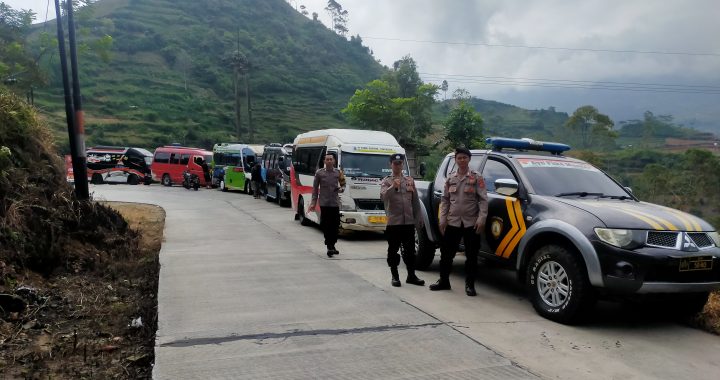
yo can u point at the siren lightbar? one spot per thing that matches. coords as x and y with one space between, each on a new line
499 143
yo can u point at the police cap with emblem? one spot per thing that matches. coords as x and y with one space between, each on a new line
397 157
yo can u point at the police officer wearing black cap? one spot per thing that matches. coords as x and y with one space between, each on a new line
463 210
402 208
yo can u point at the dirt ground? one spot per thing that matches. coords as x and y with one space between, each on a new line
89 325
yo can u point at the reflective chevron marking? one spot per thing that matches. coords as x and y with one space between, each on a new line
513 229
518 214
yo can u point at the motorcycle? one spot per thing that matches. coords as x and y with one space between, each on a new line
190 180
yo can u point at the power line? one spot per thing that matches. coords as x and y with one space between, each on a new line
579 86
701 54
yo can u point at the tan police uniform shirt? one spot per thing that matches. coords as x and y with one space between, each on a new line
402 205
464 201
326 188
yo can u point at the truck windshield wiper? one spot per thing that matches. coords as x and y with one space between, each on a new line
620 197
579 194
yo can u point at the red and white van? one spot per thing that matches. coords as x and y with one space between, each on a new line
170 161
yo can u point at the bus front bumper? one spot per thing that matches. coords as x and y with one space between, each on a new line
363 221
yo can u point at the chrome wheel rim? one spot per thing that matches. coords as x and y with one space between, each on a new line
553 284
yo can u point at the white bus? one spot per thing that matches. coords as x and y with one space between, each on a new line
364 157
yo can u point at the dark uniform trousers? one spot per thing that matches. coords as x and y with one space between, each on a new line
329 223
449 248
396 236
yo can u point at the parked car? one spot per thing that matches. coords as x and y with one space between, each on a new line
171 161
573 233
277 160
115 164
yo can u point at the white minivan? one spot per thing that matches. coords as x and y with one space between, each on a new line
364 158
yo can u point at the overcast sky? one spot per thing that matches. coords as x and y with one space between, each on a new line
535 53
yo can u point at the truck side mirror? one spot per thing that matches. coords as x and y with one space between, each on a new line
628 189
506 186
422 169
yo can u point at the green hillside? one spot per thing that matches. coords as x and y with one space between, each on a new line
506 120
301 73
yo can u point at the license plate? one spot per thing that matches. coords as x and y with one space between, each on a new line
377 219
688 264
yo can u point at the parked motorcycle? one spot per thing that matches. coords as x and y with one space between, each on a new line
190 180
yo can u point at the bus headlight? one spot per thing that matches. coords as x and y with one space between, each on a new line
347 204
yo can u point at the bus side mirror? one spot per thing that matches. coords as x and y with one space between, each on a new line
422 169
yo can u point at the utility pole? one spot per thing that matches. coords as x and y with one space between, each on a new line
251 136
75 131
237 103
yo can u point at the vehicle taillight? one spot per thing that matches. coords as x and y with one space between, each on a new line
238 169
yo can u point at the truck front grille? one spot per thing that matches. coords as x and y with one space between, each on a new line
701 239
662 239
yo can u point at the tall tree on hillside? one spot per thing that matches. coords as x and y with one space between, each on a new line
303 10
590 128
464 127
444 88
338 16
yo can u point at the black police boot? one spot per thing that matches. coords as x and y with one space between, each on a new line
395 277
470 288
333 250
413 279
441 284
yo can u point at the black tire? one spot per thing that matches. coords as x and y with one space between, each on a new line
424 248
147 181
301 213
277 196
96 179
560 273
133 180
196 186
166 180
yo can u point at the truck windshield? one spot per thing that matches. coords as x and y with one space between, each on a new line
366 165
569 178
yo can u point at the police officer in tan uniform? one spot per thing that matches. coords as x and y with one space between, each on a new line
463 210
402 207
329 182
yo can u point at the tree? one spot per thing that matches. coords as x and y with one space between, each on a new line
399 103
18 69
590 128
464 127
339 17
404 77
444 88
303 10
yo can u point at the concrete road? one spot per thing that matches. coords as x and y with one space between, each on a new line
258 298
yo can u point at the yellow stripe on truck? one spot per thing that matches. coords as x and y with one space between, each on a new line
511 247
513 229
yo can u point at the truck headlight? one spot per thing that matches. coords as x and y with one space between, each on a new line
715 236
616 237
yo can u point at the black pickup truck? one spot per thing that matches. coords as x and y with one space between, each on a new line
573 233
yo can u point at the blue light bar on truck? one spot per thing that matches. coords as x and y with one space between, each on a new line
499 143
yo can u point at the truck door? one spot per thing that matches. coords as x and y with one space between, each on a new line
505 224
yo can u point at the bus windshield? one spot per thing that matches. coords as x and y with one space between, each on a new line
366 165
